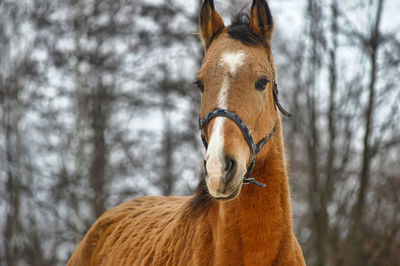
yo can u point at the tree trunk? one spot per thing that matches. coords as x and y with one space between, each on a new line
98 117
13 228
364 177
326 194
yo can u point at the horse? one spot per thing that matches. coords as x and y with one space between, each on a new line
240 213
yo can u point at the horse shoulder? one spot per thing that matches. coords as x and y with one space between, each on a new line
145 229
89 249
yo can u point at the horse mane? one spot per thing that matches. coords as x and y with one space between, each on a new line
240 30
201 199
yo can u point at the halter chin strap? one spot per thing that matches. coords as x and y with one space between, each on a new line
254 148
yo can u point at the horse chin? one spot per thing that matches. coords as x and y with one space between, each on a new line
230 194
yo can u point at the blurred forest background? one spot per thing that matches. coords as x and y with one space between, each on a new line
97 107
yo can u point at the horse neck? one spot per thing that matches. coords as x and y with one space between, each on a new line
270 169
258 216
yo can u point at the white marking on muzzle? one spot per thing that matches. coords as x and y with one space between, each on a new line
214 155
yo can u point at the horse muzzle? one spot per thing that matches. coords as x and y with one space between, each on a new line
224 177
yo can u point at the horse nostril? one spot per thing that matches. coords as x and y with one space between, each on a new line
230 169
228 164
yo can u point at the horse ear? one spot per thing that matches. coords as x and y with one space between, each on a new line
261 21
210 22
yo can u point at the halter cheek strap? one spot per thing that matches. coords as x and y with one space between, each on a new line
254 149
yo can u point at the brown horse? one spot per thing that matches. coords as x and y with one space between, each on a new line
232 219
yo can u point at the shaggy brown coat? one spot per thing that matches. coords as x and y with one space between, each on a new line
255 228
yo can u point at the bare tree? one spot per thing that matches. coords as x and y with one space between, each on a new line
75 84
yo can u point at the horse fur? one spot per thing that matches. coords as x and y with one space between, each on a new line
254 228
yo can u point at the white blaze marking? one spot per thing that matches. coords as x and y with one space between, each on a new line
233 60
214 152
223 94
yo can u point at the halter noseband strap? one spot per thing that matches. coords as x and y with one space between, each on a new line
254 149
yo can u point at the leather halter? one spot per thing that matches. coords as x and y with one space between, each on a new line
254 148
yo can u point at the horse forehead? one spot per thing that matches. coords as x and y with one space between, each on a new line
233 60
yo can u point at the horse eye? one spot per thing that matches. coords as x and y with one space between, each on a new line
199 83
261 84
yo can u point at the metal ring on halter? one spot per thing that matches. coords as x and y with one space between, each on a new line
254 149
